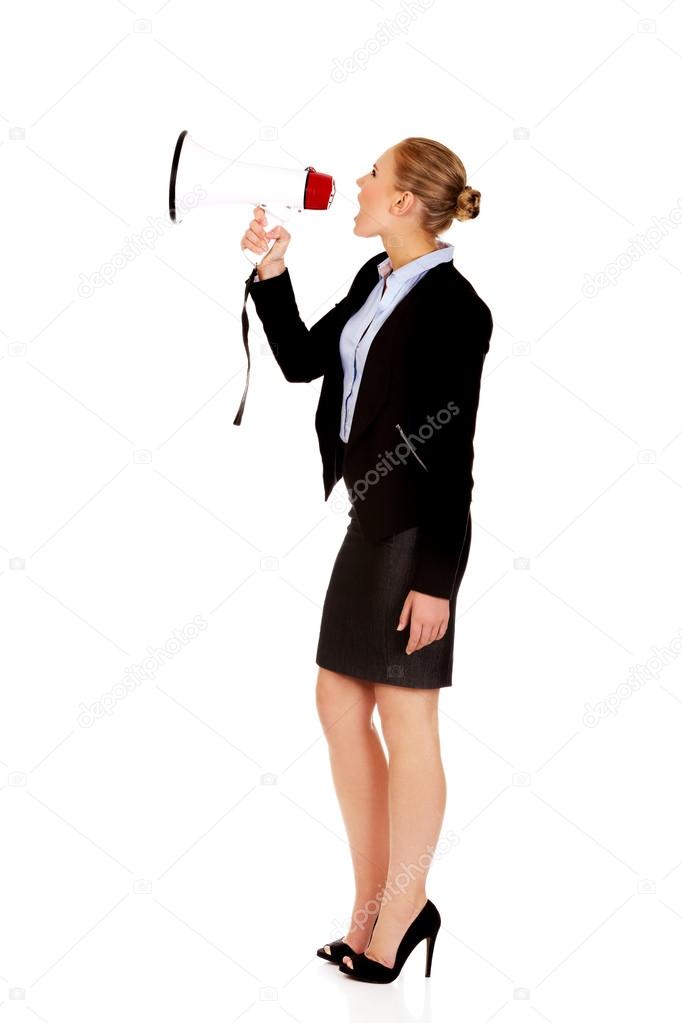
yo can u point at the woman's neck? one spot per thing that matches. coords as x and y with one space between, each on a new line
401 251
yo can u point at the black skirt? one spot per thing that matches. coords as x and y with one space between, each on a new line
366 592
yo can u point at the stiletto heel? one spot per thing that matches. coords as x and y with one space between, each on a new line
430 942
425 925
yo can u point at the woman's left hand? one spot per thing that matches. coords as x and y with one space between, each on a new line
428 617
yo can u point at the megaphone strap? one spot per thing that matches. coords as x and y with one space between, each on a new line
245 338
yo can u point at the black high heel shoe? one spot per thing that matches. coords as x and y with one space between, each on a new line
424 925
339 948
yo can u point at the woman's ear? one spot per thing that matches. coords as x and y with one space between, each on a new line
404 203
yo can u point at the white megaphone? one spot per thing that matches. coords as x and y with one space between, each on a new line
200 177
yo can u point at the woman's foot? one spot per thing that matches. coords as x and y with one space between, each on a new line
394 919
358 937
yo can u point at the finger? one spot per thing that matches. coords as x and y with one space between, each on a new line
257 229
258 243
404 615
443 629
433 632
252 246
422 641
428 635
257 237
413 641
278 234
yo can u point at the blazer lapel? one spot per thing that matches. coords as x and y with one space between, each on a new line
378 369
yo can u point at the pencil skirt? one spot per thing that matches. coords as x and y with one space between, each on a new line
365 595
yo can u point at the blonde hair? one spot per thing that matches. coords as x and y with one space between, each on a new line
436 176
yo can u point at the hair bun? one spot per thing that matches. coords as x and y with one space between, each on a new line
468 203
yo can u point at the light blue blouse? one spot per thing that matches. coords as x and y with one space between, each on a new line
361 329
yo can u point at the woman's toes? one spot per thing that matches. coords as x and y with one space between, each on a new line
327 950
348 961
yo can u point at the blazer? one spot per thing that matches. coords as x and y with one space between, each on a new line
409 456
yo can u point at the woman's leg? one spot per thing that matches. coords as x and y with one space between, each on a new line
417 792
360 773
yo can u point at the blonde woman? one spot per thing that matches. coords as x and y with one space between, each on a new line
400 359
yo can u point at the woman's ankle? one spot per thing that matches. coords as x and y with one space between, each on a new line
408 898
363 916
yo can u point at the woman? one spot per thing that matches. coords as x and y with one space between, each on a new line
401 359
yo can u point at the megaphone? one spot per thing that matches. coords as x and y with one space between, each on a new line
201 177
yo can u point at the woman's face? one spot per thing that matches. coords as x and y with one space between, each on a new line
377 195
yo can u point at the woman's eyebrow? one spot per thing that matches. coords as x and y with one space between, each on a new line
375 166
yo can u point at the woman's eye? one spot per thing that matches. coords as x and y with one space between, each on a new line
374 173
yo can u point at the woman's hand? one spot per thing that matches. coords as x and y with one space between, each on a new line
256 238
428 617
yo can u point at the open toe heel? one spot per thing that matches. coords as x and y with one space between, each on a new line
424 926
339 948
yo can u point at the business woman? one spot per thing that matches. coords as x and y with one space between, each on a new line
400 357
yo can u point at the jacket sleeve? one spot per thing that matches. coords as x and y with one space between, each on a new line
302 354
449 379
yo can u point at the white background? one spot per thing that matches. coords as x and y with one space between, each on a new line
183 856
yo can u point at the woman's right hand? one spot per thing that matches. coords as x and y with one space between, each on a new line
256 237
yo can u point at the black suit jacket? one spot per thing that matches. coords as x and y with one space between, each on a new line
423 372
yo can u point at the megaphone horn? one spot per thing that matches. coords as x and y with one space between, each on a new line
199 175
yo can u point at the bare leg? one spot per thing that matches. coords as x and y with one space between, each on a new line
360 774
417 792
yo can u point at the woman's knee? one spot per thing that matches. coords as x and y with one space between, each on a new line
407 714
343 702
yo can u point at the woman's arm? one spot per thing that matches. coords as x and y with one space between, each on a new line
449 369
302 354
